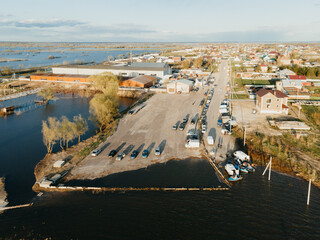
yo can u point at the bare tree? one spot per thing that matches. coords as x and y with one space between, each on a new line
50 132
47 94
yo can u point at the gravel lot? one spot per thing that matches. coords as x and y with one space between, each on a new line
147 129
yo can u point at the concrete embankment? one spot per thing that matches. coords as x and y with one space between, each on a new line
123 189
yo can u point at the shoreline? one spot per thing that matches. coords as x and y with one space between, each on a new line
3 194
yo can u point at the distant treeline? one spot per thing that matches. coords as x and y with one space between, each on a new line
309 72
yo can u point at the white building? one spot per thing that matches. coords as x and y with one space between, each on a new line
126 70
180 86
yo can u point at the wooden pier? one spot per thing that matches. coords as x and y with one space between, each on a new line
15 207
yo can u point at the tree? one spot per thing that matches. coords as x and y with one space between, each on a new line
50 132
197 63
81 126
104 106
185 64
47 94
107 83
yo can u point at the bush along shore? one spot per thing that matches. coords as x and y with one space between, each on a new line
285 158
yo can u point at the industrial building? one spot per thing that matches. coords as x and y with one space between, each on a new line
139 82
126 70
59 77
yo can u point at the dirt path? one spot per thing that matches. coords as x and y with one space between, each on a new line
3 194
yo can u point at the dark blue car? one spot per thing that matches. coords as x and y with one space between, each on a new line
219 123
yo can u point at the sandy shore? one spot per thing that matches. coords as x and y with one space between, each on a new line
3 194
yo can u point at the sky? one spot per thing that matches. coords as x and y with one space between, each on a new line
160 20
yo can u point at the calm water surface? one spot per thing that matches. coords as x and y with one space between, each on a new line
21 145
253 209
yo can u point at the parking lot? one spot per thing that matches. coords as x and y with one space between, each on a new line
147 129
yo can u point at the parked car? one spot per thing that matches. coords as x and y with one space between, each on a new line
225 131
96 152
185 119
175 127
182 126
134 154
112 153
204 128
145 153
120 156
194 120
157 152
219 123
131 112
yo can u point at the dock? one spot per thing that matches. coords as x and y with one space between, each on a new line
15 207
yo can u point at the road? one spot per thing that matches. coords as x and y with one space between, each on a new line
227 141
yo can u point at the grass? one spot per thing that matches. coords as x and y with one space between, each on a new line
239 96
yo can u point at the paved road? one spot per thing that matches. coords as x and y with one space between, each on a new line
220 90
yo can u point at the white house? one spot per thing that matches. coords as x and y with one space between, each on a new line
180 86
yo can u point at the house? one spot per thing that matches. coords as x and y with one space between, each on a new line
140 82
264 68
271 101
180 86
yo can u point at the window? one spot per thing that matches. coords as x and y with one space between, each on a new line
76 81
141 74
43 79
268 100
59 80
278 99
268 105
153 74
123 74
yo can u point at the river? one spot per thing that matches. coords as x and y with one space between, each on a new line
252 209
21 146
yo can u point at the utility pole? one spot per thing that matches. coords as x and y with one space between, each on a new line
244 137
268 167
309 190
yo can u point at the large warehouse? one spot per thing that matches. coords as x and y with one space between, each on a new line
126 70
59 77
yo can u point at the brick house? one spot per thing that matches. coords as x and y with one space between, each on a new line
271 101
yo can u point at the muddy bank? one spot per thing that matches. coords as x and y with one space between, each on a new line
3 194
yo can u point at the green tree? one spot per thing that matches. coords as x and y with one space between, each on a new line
47 94
81 126
104 106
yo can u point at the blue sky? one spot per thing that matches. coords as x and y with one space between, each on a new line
162 20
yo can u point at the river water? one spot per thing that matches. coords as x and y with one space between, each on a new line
253 209
21 145
41 57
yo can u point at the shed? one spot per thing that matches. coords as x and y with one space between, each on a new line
144 81
180 86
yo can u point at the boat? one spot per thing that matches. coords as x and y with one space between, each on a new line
234 178
249 166
231 170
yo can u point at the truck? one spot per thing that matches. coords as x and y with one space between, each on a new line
210 140
193 143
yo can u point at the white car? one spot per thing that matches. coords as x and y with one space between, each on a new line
120 156
157 151
95 152
225 131
204 129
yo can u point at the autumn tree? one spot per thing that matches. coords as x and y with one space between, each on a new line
50 132
47 94
80 125
197 63
185 64
104 106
